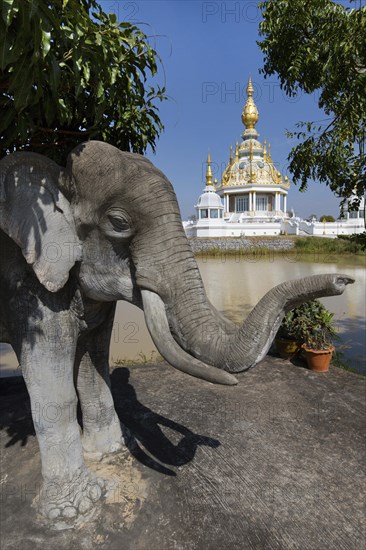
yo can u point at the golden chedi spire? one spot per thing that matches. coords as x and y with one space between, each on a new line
250 113
208 171
227 172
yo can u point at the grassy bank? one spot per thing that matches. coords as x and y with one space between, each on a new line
309 245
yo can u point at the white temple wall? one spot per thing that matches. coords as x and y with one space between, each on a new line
290 227
321 229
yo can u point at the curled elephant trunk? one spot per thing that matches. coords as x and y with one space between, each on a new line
230 348
255 336
158 326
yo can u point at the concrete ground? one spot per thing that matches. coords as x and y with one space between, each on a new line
276 462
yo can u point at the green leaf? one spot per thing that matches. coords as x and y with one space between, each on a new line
49 110
5 49
86 72
61 103
54 74
100 90
46 42
8 115
8 11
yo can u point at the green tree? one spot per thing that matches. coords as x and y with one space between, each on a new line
68 73
326 218
320 45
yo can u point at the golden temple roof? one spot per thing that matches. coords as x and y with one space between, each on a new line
252 162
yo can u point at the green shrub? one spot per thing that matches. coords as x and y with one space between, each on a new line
358 241
326 218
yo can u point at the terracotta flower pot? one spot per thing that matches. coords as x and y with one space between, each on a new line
286 348
318 360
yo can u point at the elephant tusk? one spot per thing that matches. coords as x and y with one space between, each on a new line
158 326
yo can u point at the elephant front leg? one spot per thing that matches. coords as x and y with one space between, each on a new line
68 489
101 427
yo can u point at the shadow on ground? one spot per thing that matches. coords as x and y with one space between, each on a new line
143 430
15 412
276 462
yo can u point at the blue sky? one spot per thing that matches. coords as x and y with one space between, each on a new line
208 50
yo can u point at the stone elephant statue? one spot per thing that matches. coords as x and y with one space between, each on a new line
75 240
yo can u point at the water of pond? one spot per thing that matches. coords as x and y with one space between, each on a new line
234 286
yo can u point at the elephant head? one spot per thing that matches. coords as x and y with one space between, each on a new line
113 218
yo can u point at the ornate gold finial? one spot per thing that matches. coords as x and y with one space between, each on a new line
237 151
265 149
269 158
231 155
250 88
250 114
208 171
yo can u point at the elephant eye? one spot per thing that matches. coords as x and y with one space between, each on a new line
119 223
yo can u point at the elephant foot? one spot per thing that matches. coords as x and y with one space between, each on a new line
66 504
100 443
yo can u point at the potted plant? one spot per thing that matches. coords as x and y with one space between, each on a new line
315 328
286 340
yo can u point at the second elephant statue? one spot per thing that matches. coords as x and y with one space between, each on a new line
75 240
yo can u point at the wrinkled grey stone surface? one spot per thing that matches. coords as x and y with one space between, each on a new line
276 462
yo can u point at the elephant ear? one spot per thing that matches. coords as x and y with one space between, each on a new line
38 217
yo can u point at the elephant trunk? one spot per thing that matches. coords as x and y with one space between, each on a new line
227 348
254 338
